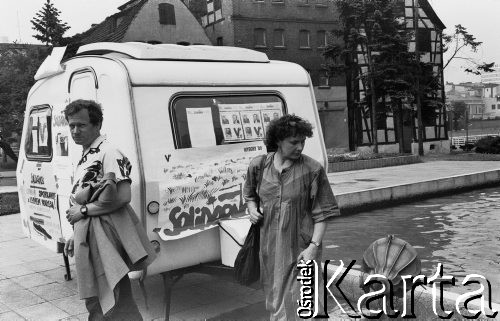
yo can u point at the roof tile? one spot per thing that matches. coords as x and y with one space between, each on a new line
108 30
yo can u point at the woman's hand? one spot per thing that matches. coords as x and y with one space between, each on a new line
69 247
255 216
310 253
73 214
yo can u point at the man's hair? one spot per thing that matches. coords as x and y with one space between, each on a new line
284 127
94 109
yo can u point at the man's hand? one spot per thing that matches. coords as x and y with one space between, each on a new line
73 214
255 216
310 253
69 247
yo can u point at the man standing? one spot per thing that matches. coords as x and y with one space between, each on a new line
108 241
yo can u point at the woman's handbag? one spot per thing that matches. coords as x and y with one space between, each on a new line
247 263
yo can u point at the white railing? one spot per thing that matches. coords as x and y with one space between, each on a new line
461 140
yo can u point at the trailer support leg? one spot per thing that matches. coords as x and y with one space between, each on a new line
67 276
168 283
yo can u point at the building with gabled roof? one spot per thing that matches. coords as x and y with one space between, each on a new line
152 21
396 130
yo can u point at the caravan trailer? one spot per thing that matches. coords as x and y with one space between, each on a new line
189 118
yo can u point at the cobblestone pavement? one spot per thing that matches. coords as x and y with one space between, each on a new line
33 287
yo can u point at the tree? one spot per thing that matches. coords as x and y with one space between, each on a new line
458 109
457 43
50 29
374 30
18 65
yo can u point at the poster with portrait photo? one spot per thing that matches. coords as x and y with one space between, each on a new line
228 134
266 118
235 118
238 133
223 119
232 133
231 126
252 119
248 132
270 112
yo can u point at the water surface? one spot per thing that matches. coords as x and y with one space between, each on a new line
461 231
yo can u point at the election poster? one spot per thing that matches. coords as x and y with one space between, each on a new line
200 186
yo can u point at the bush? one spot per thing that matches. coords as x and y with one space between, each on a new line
355 156
9 203
488 145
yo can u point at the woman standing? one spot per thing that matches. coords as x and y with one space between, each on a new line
295 201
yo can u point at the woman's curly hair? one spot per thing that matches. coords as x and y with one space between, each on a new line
284 127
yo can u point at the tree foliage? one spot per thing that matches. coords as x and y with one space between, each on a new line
457 43
18 65
458 108
377 28
50 29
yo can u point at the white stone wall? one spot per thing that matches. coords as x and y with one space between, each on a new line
436 147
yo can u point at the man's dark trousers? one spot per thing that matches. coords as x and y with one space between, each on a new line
125 308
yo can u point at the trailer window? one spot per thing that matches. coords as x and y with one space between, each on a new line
38 144
201 121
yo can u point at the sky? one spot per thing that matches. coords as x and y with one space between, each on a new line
478 16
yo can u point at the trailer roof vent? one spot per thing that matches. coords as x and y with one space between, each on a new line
139 50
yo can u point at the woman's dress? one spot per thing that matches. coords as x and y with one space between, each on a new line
291 202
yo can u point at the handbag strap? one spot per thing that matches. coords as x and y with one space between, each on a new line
261 173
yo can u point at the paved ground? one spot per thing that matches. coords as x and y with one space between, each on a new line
353 181
32 285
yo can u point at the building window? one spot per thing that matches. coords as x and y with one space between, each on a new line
167 13
278 1
424 40
492 106
213 13
279 38
220 41
260 37
304 37
321 39
323 79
